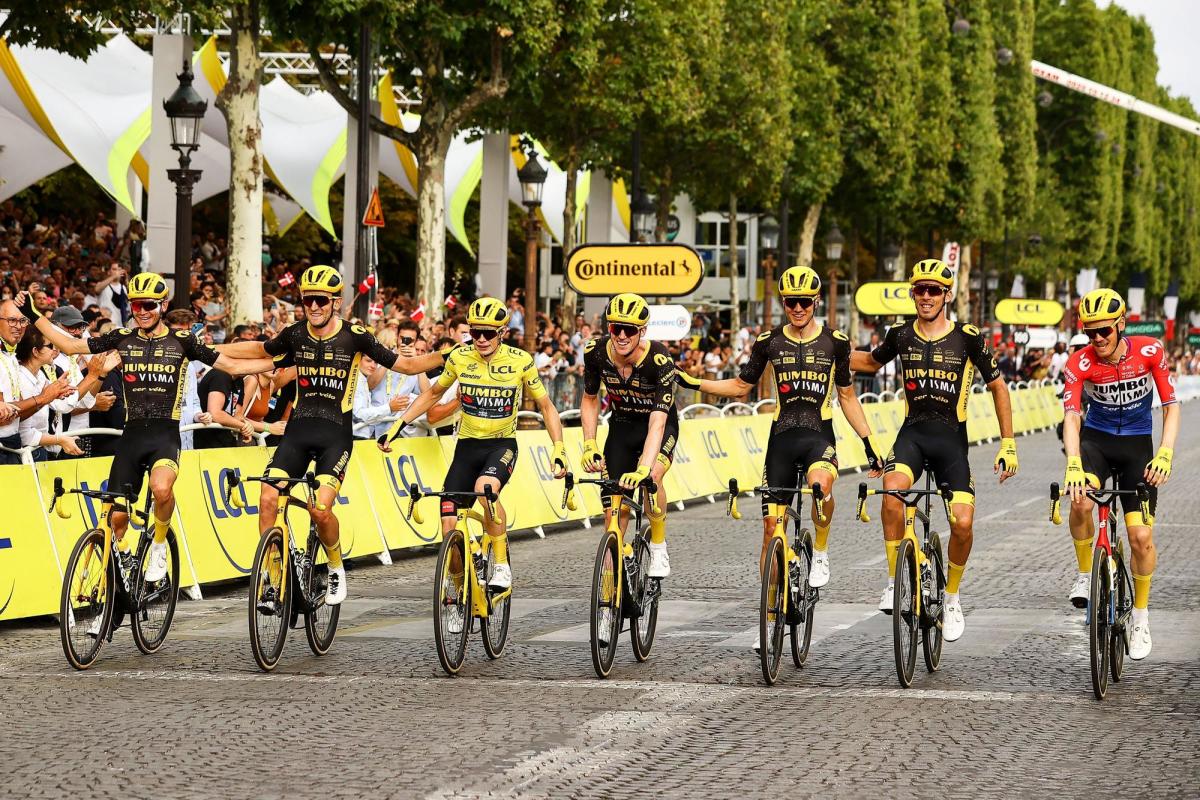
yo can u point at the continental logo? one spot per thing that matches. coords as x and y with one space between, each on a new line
655 269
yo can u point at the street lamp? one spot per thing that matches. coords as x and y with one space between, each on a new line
833 243
1004 56
960 27
833 253
532 177
768 240
891 258
642 216
185 110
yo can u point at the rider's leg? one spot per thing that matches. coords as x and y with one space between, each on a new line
821 473
494 520
1083 531
961 539
322 514
658 521
162 485
268 501
1142 561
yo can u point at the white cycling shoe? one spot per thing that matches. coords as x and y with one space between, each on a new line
335 592
660 562
1081 590
501 577
454 619
818 575
885 601
953 623
157 569
604 628
1139 638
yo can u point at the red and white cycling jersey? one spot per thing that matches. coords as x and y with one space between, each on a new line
1120 395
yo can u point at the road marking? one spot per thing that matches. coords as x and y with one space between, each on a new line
672 614
830 619
1003 511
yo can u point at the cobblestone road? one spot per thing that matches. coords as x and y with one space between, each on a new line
1010 713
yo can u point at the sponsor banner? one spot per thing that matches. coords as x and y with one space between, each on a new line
1146 327
30 576
724 442
885 299
665 270
668 323
388 476
1026 311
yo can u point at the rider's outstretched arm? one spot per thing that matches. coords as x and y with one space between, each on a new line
862 361
1003 403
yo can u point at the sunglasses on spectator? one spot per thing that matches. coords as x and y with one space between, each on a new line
1099 333
487 334
407 340
623 329
799 302
923 290
315 300
144 306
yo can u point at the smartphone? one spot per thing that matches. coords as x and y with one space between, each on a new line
197 328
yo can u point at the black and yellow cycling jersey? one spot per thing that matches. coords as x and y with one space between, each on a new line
806 371
938 373
650 386
326 368
153 368
490 390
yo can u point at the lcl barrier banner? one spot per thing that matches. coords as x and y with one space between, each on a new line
217 540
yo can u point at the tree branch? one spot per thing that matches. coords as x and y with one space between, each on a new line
494 88
329 81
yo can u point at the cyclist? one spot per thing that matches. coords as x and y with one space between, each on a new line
639 378
154 361
1117 373
325 351
492 378
939 359
809 359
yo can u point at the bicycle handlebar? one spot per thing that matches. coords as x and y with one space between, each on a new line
815 490
613 487
1103 496
909 497
415 494
232 481
64 512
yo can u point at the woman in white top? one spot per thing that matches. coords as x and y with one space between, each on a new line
36 357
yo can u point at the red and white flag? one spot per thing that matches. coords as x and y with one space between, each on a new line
287 279
451 302
418 313
375 311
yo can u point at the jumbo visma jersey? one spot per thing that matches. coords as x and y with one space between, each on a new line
806 371
490 391
153 368
326 368
938 373
650 386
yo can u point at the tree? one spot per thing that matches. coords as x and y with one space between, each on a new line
66 27
1016 112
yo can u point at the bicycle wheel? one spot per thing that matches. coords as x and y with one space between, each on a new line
646 592
1099 630
494 626
1122 601
86 605
804 598
270 599
605 620
154 603
904 612
931 628
452 603
320 624
771 615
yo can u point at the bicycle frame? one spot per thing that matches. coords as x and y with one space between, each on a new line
648 489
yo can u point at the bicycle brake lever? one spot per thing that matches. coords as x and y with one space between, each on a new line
1055 504
1143 495
818 502
947 496
862 503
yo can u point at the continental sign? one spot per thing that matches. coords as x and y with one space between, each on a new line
1021 311
668 270
885 299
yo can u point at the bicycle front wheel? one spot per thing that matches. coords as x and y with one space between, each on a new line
646 591
1122 600
86 604
905 623
931 627
452 602
154 603
804 598
494 626
271 590
1099 629
605 620
320 623
771 614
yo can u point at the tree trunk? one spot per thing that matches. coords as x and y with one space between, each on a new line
570 298
239 103
962 292
808 235
431 222
735 312
853 279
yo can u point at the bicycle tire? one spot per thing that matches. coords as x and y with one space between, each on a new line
643 627
771 615
904 614
269 629
82 603
451 594
804 601
605 616
320 620
931 629
494 627
149 637
1099 608
1124 599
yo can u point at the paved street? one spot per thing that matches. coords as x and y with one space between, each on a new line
1010 714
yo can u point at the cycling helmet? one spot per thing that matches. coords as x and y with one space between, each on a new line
1099 305
487 312
628 308
319 278
147 286
799 282
932 269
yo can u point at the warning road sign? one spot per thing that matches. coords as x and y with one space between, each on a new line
373 217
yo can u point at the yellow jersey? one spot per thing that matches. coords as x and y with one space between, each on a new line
490 391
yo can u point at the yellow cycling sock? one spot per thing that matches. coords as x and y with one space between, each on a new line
500 548
658 529
1141 590
953 577
892 549
160 530
123 544
821 540
334 554
1083 554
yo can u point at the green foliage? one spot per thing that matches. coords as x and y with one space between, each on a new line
816 94
934 138
67 26
1016 112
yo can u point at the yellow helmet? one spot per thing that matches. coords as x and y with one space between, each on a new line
487 312
1099 305
932 269
147 286
320 278
629 308
799 282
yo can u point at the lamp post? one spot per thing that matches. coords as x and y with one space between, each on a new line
891 259
642 217
768 240
185 110
833 254
533 178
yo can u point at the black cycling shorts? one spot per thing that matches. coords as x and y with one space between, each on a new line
623 446
145 444
1104 454
934 444
475 459
793 452
324 444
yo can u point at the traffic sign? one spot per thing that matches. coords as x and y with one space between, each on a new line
373 216
1021 337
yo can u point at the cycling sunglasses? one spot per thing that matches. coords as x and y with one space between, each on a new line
799 302
316 300
619 329
487 334
923 289
143 306
1099 333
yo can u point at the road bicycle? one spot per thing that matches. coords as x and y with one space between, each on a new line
286 582
1110 597
786 599
621 589
461 593
98 590
919 594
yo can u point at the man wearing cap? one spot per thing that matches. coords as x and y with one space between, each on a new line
71 320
